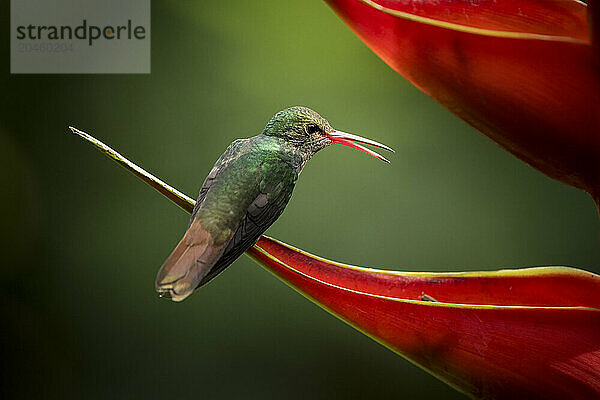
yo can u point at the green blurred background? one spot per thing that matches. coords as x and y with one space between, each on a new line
82 239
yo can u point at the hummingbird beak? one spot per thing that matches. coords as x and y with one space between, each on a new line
348 139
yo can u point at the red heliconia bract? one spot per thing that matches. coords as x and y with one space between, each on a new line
513 334
523 72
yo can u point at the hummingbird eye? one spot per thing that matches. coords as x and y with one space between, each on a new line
312 128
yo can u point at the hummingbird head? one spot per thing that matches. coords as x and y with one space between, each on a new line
308 132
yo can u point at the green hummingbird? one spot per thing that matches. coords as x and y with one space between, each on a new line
244 193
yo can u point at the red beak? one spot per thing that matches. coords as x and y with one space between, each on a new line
348 139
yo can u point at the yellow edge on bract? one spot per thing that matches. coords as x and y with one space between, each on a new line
469 29
503 273
420 302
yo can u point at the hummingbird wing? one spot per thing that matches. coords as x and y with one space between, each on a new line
198 250
241 197
261 214
226 158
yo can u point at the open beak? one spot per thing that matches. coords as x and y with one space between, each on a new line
348 139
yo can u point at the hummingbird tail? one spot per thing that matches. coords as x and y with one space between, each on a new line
189 262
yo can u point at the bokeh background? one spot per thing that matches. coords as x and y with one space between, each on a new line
82 239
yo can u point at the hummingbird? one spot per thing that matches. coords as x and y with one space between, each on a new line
245 192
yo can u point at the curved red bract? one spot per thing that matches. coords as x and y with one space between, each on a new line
540 338
541 286
529 333
522 72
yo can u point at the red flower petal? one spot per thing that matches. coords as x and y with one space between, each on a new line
540 339
522 72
